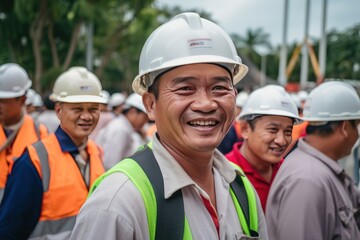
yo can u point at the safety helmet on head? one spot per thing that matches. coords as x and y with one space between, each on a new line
270 100
105 94
14 81
30 94
296 100
302 94
186 39
117 99
331 101
135 100
241 98
77 85
37 101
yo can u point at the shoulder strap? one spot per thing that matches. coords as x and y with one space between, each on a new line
44 161
249 212
170 212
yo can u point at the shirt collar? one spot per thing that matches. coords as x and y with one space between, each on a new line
66 144
175 176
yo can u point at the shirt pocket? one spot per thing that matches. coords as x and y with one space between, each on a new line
345 215
241 236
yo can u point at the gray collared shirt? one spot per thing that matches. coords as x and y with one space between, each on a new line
312 198
116 210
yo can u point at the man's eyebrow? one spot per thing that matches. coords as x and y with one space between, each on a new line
189 78
223 78
178 80
278 125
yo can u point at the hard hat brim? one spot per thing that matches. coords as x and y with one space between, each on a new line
226 62
78 99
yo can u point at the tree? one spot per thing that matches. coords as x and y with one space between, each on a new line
247 44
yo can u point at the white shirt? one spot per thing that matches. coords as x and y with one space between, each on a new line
49 119
115 210
117 141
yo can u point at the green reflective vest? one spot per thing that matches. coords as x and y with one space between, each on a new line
166 217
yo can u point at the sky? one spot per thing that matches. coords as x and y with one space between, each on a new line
236 16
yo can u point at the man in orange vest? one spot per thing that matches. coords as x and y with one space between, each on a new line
17 129
50 181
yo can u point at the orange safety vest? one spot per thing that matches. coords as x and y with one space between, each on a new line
28 133
237 128
64 188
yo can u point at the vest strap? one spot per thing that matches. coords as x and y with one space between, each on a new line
44 160
170 212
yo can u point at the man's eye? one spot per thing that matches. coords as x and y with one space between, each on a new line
220 88
272 130
185 88
288 132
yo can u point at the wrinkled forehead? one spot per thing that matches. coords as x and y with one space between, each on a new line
216 71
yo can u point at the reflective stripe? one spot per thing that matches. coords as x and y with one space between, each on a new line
53 227
253 215
44 160
37 128
137 175
1 193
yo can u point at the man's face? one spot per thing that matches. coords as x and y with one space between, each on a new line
195 107
140 120
11 110
268 139
353 135
78 120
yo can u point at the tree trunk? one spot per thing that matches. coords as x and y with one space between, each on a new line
54 53
11 51
113 43
73 42
36 30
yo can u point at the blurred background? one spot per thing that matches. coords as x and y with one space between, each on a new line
294 43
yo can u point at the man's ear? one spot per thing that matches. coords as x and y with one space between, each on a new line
344 125
149 102
58 110
245 129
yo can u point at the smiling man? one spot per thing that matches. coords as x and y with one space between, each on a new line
179 186
50 181
266 123
312 197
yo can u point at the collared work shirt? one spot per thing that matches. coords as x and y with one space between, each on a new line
115 210
117 140
24 196
260 184
312 198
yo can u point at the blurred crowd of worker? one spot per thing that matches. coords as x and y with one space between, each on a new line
179 155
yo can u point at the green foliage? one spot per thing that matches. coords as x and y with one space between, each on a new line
120 30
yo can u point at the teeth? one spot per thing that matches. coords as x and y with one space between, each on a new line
203 123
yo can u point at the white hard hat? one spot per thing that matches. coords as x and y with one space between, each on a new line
37 101
296 100
77 85
241 98
14 81
302 94
186 39
270 100
135 100
332 101
105 94
117 99
30 94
